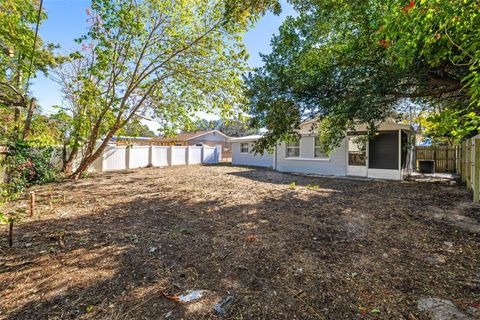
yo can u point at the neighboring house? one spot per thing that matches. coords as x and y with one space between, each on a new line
211 138
388 156
243 155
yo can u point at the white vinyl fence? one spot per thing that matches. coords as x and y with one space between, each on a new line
123 157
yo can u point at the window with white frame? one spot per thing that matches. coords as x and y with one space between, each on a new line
293 149
243 147
319 149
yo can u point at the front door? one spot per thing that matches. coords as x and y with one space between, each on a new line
357 156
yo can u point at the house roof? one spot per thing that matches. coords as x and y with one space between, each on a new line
307 127
386 126
246 138
115 138
185 136
307 130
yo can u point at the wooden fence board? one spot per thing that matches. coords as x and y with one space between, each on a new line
445 157
463 159
476 179
468 163
470 166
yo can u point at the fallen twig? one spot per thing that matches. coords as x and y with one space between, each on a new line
297 296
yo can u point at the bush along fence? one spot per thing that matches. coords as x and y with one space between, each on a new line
469 166
132 157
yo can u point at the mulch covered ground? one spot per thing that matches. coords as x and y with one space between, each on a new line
126 245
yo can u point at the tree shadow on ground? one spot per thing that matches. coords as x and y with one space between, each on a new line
334 252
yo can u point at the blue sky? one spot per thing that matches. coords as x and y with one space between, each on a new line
67 21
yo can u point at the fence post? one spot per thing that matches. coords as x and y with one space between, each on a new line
460 160
150 156
476 177
464 159
127 157
32 203
219 150
170 155
469 166
187 155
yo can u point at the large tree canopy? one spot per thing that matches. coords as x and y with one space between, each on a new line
351 62
167 59
22 54
231 127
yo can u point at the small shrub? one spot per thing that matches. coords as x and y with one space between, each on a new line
292 186
26 165
312 187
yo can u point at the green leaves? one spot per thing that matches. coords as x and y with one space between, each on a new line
450 126
165 59
27 165
18 18
351 62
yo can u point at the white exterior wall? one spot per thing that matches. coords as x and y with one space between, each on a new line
388 174
179 156
138 157
335 164
212 136
250 159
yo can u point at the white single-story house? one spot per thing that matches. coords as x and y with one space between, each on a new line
242 153
388 155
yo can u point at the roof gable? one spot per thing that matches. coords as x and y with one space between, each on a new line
199 134
186 136
311 126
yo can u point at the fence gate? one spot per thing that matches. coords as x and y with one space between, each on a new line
445 157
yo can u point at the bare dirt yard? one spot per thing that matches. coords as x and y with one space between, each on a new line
130 245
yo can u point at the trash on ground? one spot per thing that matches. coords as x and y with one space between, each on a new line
191 295
221 307
173 298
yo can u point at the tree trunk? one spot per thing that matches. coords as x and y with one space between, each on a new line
88 160
16 120
91 143
68 163
28 120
